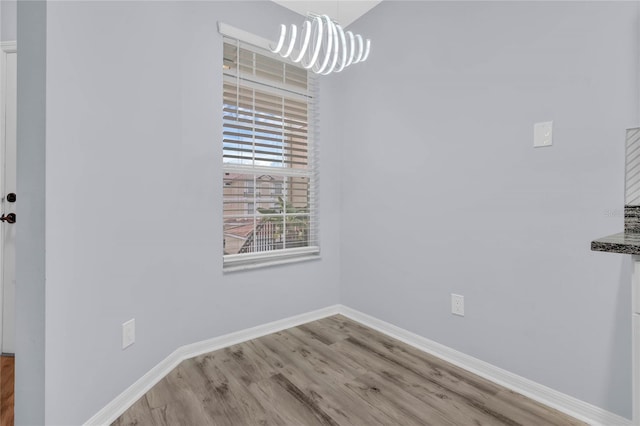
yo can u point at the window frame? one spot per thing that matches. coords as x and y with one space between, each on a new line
241 261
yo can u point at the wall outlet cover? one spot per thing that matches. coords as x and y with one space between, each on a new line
128 333
543 134
457 304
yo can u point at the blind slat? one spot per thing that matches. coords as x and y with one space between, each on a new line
270 129
281 142
268 111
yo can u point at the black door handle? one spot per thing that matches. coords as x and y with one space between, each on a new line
9 218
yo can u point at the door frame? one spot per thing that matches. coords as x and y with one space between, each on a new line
6 48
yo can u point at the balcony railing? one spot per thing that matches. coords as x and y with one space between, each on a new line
268 236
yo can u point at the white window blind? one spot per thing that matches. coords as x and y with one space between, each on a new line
270 177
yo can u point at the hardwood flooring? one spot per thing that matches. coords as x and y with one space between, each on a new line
330 372
7 367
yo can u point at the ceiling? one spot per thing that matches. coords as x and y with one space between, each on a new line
343 11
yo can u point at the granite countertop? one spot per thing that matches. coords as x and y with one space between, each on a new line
623 242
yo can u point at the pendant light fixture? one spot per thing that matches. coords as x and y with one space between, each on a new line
322 46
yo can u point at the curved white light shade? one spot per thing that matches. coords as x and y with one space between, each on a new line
306 30
334 61
341 49
352 48
331 30
283 34
318 43
360 49
292 42
367 50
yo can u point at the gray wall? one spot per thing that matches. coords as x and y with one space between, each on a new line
8 20
30 243
134 196
442 191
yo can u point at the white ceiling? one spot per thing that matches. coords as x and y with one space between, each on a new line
343 11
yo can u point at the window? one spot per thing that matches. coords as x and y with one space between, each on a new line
277 188
249 185
269 188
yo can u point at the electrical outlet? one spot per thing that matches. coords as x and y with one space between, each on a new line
457 304
128 333
543 134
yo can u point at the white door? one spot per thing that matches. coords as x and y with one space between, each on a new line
8 192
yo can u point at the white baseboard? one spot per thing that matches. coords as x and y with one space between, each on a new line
126 399
561 402
567 404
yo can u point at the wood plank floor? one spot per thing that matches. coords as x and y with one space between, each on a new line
7 366
330 372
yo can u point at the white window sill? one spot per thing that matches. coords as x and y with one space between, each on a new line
265 263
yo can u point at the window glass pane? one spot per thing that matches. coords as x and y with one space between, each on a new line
236 234
299 194
263 129
268 195
237 192
297 227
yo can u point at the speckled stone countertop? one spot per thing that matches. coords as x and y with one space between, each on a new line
624 242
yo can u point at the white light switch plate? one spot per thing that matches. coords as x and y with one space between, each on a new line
128 333
543 134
